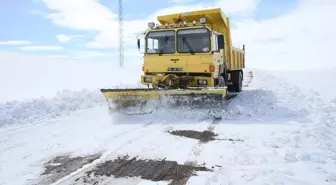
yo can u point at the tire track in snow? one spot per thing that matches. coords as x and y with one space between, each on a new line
198 148
128 131
110 154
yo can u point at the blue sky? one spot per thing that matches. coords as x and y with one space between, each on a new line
27 21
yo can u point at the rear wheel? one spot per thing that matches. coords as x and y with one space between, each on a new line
237 81
230 88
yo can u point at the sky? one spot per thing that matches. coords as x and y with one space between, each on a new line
278 34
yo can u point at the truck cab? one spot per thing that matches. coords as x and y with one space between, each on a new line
189 50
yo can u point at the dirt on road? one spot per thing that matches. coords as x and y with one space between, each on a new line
204 136
154 170
62 166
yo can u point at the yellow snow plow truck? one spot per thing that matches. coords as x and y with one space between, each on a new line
188 60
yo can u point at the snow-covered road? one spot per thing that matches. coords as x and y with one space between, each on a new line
272 133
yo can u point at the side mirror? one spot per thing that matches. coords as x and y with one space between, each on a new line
220 40
138 42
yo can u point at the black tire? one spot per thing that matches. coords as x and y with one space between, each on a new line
230 88
238 84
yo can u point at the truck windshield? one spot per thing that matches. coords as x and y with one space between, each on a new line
193 40
161 42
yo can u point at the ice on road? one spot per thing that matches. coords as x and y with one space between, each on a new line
271 133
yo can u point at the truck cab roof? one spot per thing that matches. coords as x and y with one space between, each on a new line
214 18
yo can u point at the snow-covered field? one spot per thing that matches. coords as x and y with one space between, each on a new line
319 80
286 133
45 76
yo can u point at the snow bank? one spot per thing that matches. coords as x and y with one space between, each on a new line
312 94
64 103
37 109
319 80
272 98
40 87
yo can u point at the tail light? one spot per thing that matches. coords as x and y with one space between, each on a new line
212 68
143 68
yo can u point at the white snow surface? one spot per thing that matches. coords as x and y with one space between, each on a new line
27 111
320 80
38 109
288 133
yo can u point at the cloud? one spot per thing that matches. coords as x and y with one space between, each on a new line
62 38
40 48
179 9
303 38
132 52
90 54
39 13
74 15
66 38
59 56
181 1
80 14
109 37
238 7
15 42
94 54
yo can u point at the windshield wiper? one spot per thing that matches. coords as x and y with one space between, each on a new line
191 50
160 52
165 43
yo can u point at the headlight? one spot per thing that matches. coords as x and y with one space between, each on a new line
148 79
202 82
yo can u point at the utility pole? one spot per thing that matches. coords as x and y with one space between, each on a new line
121 38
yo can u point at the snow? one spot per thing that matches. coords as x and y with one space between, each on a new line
38 88
27 111
70 134
319 80
287 132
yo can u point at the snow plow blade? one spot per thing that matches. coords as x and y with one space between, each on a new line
145 101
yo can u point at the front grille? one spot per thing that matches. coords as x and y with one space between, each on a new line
191 74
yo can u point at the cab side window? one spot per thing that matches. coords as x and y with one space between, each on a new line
215 42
